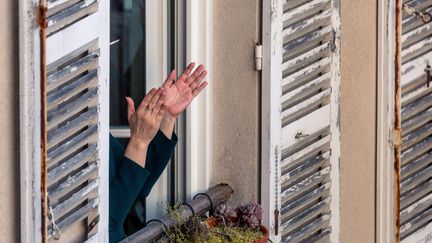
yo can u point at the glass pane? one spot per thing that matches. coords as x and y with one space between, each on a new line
127 57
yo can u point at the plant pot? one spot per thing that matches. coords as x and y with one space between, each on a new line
264 239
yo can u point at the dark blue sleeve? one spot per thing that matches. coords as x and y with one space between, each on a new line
125 183
160 152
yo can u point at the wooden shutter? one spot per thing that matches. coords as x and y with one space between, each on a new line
77 119
305 79
416 114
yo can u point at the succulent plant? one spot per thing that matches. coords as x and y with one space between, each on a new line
249 215
225 211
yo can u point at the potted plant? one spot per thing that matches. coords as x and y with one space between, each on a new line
240 224
246 217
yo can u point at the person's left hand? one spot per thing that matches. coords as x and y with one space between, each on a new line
180 93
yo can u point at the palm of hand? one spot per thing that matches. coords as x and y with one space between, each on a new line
179 96
180 93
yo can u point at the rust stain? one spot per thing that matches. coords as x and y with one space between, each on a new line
276 215
397 120
42 23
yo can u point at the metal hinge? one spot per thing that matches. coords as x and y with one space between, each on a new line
258 57
396 137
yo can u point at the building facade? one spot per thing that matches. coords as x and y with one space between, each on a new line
254 128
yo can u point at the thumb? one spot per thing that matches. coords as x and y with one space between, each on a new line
131 107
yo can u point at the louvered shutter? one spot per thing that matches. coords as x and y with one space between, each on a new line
307 71
416 114
77 119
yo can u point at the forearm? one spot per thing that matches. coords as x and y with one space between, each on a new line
167 125
137 151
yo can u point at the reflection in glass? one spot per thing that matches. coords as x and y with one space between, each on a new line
127 57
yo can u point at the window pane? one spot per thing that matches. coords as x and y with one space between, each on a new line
127 58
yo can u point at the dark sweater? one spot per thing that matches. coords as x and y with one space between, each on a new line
129 181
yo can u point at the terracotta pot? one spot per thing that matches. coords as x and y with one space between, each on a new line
264 239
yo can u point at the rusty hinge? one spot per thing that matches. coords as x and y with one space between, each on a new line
397 137
258 57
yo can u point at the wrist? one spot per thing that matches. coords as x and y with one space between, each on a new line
138 143
136 151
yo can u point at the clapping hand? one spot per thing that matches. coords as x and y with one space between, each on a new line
180 93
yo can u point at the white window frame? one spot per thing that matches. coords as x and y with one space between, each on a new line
385 102
199 49
30 172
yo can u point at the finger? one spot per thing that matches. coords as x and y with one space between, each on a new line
159 103
171 78
195 74
155 98
183 77
200 88
131 107
162 111
198 80
147 99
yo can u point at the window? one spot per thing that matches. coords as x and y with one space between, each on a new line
144 48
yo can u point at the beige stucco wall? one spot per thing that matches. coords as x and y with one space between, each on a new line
236 97
9 123
358 126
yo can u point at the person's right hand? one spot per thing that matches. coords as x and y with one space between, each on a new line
144 123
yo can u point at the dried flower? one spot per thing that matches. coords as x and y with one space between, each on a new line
249 215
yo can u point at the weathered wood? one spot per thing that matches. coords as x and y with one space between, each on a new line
201 204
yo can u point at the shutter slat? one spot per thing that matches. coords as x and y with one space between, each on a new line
295 97
415 209
415 166
303 76
415 180
72 126
306 168
60 171
77 179
56 154
306 215
303 11
76 216
416 194
416 107
55 117
65 74
306 232
305 201
417 49
307 42
71 14
416 137
416 151
306 184
77 198
420 221
56 97
293 160
417 34
416 122
304 60
298 29
306 107
419 92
